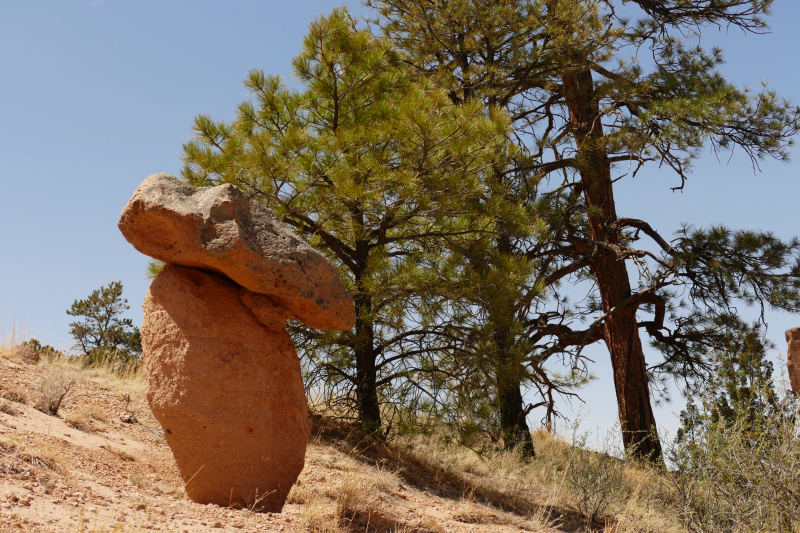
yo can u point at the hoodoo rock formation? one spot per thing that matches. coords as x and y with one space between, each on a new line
223 231
224 378
793 358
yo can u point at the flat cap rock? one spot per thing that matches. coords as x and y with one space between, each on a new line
223 231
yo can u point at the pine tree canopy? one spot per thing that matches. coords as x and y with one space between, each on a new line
592 98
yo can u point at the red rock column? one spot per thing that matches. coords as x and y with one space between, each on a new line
793 358
227 390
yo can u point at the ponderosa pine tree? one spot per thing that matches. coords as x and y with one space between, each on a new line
584 111
373 169
101 335
477 52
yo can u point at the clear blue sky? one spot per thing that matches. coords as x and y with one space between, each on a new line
95 96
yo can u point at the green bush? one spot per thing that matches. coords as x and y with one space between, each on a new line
737 475
45 351
594 479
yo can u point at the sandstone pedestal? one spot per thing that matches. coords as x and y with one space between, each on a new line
226 389
793 358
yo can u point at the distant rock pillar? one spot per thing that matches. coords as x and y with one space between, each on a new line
793 358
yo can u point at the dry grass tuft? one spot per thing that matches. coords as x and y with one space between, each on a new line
327 509
8 408
15 394
6 353
499 479
122 454
319 513
20 332
499 482
299 493
83 418
353 498
56 380
594 482
45 458
79 420
472 513
94 413
8 445
19 457
110 374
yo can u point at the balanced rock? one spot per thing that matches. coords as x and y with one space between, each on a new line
226 388
223 231
793 358
224 379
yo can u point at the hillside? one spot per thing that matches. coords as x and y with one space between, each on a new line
102 465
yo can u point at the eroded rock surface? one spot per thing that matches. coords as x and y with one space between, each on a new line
793 358
224 231
226 388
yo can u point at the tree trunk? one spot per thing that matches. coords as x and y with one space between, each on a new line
369 412
621 330
512 414
508 370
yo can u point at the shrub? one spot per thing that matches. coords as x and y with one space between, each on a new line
8 408
26 354
15 394
594 480
46 351
737 475
55 382
79 420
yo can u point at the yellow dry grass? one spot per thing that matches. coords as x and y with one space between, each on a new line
18 456
15 393
106 374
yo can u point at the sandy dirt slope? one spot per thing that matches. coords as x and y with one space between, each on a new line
102 465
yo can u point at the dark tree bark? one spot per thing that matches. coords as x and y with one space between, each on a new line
369 412
621 331
516 433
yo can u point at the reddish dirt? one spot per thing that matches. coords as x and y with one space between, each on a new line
105 474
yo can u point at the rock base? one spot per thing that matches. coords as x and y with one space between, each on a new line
226 388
